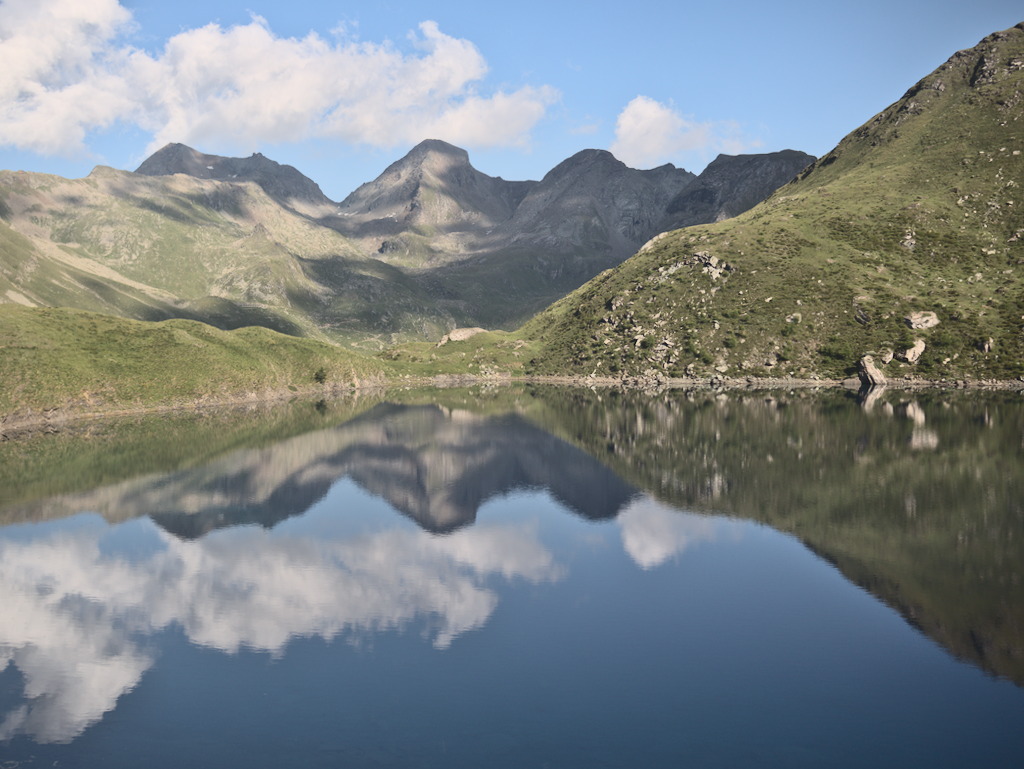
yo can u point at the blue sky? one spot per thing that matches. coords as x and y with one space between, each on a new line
340 90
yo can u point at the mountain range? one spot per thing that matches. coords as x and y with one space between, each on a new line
898 255
431 244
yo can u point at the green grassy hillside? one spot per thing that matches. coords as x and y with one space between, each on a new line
918 211
60 358
153 248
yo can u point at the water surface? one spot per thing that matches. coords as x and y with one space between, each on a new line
552 578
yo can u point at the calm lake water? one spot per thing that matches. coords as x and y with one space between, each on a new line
512 578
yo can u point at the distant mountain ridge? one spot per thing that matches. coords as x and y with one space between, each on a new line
429 245
433 208
285 184
730 185
466 233
590 201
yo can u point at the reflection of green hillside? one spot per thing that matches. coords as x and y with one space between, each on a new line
927 514
86 455
93 454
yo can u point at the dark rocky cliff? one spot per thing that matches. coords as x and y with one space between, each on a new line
730 185
596 201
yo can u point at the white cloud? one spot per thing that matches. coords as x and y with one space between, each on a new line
58 71
649 133
65 70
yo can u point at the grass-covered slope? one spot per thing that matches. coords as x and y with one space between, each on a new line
921 210
72 359
153 248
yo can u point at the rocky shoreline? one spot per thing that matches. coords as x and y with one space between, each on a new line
32 421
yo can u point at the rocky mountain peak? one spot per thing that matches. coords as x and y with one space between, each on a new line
433 185
432 148
433 162
284 183
589 161
177 158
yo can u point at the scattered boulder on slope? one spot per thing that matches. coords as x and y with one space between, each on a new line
460 335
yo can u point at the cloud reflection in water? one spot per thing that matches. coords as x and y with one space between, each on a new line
75 617
652 532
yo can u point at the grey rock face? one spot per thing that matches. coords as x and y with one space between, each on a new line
593 200
732 184
433 185
285 184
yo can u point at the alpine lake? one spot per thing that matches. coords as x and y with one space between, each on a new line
520 577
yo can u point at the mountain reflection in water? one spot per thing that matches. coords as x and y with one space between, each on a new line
433 464
918 499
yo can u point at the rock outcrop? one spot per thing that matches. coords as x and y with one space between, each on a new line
869 373
460 335
917 320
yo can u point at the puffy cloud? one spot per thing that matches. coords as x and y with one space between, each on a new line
75 615
504 119
58 71
65 71
649 133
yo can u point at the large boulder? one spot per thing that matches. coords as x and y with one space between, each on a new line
869 373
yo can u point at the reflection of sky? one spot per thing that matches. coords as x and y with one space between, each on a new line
81 596
76 608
